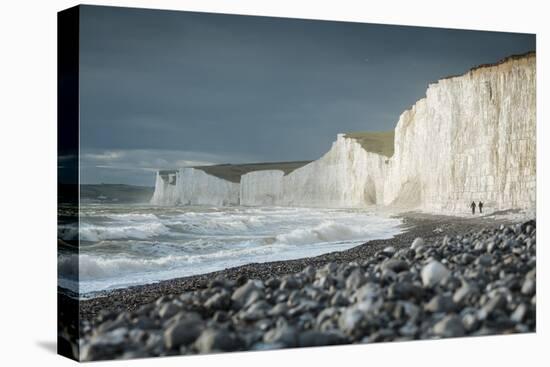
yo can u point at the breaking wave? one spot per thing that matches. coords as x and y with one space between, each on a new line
139 231
328 231
126 246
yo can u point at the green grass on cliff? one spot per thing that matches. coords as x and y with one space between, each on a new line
375 142
380 142
233 172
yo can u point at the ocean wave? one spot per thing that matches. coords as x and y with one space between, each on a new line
67 266
92 267
132 217
327 231
138 246
67 232
141 231
209 224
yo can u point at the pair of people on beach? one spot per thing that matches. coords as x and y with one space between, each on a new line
473 206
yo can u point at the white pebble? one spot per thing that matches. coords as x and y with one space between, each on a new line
417 243
433 273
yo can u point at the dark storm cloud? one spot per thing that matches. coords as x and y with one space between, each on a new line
189 87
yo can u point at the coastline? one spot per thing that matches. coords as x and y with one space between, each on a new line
427 226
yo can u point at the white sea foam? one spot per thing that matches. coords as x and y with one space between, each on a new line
138 245
94 267
67 232
328 231
137 231
67 265
132 216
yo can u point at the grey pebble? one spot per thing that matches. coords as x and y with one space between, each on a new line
449 326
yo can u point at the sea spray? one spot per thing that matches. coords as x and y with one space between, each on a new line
130 245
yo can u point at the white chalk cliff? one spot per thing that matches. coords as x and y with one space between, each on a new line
191 186
473 137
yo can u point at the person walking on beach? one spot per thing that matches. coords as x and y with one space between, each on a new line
480 206
473 206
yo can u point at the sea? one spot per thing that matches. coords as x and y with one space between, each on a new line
123 245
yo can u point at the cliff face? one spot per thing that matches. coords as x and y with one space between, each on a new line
190 186
471 138
165 189
346 176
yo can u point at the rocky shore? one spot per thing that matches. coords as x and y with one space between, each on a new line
445 277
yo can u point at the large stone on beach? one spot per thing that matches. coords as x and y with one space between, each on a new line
273 283
404 290
278 310
529 287
409 329
466 291
255 311
433 273
283 335
248 293
484 260
389 251
110 325
494 303
212 340
349 319
367 292
183 332
417 244
289 283
519 313
314 338
440 303
103 346
395 265
219 301
168 310
450 326
355 280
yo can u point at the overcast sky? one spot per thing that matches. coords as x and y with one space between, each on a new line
165 89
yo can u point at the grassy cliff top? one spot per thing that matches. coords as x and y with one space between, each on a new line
505 60
233 172
380 142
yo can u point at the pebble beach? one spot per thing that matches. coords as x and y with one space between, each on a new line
442 277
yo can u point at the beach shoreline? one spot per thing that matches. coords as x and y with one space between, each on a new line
443 277
427 226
